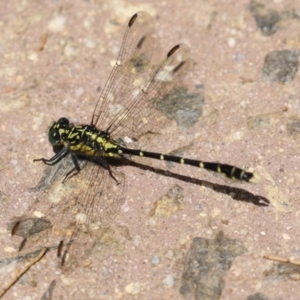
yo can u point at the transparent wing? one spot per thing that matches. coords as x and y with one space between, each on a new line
105 192
74 212
140 116
126 107
131 67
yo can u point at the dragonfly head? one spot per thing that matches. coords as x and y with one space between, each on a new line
57 130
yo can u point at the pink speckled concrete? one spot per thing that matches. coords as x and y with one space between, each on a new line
53 57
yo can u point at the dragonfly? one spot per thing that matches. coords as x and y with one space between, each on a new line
124 118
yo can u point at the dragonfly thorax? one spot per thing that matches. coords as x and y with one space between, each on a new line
83 139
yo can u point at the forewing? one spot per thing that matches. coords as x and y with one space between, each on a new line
140 118
131 69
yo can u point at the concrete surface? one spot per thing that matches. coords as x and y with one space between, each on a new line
55 56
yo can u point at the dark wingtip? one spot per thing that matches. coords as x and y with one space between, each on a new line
173 50
132 20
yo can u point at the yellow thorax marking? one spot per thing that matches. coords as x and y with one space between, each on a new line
86 148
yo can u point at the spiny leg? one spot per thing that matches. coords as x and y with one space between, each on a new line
74 171
104 164
54 159
57 157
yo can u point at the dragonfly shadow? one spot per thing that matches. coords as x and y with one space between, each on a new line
235 193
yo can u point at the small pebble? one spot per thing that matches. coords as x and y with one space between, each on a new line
71 50
79 91
33 57
133 288
155 260
67 280
231 42
57 24
89 43
170 254
169 281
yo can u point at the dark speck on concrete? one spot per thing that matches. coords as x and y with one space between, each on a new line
281 66
293 126
205 265
183 106
282 271
267 19
258 296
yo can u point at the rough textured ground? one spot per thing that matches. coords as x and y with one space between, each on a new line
196 235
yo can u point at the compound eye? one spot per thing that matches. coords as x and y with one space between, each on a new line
53 136
63 122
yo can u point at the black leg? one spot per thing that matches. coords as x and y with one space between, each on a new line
54 159
73 171
111 175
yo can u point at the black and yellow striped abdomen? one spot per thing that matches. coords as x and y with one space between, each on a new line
226 170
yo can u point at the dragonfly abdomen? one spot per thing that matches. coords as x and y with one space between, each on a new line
227 171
